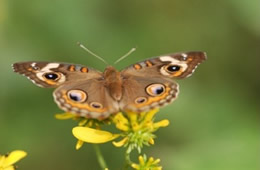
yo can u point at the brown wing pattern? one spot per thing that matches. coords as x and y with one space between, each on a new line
178 65
143 94
46 74
87 98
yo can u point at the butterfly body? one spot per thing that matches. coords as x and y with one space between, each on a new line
114 82
90 93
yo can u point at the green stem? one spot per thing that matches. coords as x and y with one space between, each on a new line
128 161
100 157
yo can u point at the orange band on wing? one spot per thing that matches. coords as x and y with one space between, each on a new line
50 82
177 73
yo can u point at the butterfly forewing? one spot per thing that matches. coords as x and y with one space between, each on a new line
177 65
46 74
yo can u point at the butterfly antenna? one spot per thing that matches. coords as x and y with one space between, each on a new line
124 56
90 52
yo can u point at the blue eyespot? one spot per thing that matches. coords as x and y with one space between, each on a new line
155 89
77 95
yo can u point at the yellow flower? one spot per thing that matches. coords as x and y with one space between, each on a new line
7 161
147 164
137 129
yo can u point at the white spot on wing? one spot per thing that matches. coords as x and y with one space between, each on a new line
50 66
33 64
154 104
75 109
67 105
47 69
82 114
168 97
184 55
162 101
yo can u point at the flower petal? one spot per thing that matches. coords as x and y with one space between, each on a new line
151 141
135 166
79 144
141 160
10 168
156 161
132 116
64 116
121 142
162 123
119 117
150 161
149 115
121 122
2 159
13 157
91 135
83 122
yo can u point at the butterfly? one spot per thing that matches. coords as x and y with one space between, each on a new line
89 93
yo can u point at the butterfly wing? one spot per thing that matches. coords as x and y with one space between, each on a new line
178 65
149 84
143 94
81 90
52 75
86 98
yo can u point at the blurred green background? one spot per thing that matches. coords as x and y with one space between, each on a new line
214 122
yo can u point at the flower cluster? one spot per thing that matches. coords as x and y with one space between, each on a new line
136 131
147 164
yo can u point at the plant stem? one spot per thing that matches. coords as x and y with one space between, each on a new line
100 157
128 161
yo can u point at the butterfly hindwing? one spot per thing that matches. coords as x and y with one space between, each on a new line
143 94
86 98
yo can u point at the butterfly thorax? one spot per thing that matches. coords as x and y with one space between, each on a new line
113 82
